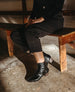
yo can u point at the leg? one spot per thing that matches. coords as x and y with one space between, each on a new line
18 38
42 68
33 41
39 57
62 53
42 29
32 36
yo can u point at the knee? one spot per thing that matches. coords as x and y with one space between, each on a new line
31 32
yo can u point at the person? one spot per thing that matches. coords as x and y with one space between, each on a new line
46 18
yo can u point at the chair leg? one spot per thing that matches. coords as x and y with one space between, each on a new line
62 55
72 44
9 43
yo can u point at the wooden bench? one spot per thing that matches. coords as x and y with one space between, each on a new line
65 35
9 27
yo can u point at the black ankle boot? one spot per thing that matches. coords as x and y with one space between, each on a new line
42 70
48 58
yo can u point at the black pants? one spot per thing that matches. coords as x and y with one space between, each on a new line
28 38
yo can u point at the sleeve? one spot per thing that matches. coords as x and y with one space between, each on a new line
59 4
55 10
49 14
34 10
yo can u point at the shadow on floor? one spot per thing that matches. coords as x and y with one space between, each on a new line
2 89
29 63
72 55
27 59
3 49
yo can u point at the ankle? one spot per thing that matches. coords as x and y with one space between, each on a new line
40 61
39 57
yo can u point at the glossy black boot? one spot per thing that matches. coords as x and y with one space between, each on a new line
47 58
41 70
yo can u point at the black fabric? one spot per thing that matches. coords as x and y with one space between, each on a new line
18 37
29 38
46 8
64 31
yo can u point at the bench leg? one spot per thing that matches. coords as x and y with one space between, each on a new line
9 43
72 44
62 55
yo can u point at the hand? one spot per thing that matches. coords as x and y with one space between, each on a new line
29 23
33 21
39 20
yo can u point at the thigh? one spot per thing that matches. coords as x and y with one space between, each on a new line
35 32
48 26
18 35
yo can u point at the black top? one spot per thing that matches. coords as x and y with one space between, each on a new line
46 8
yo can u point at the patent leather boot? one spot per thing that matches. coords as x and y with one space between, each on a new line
41 70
